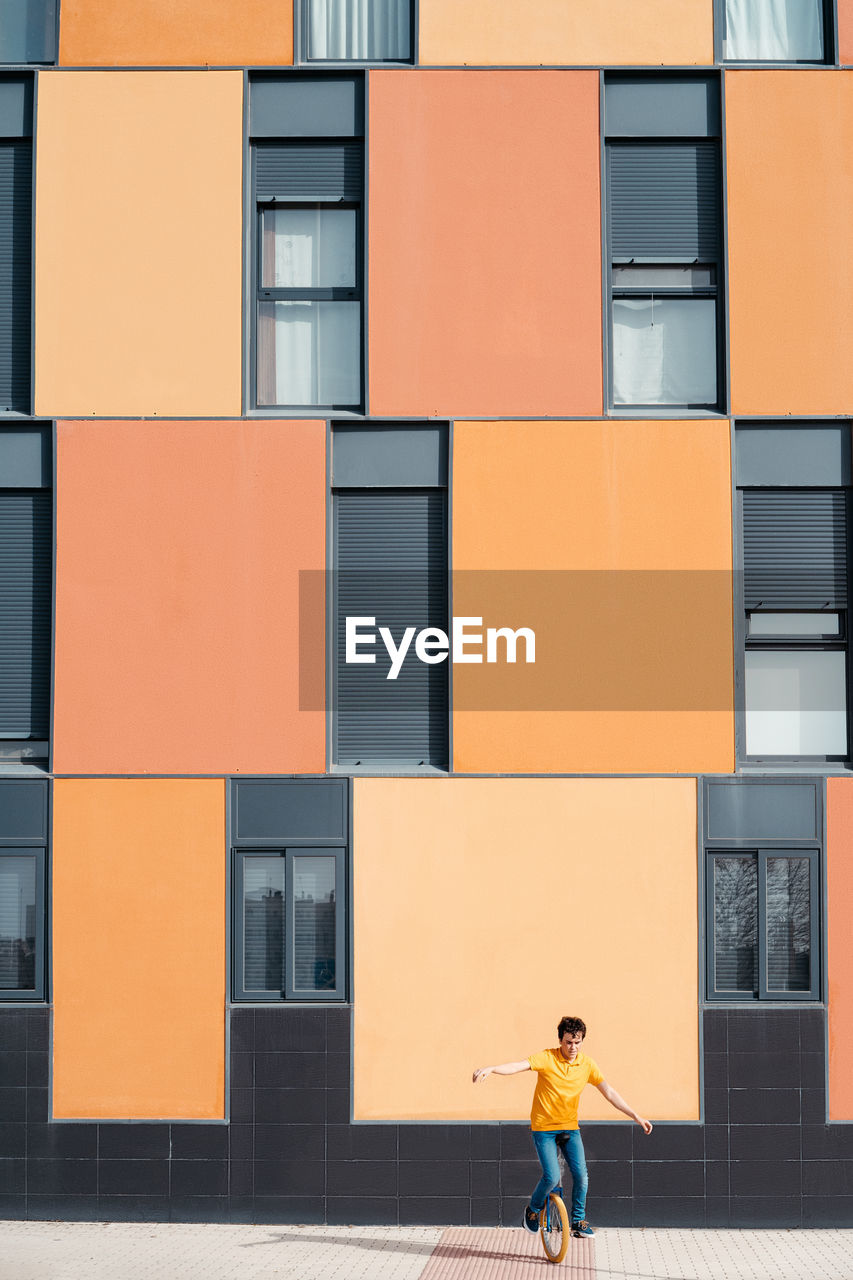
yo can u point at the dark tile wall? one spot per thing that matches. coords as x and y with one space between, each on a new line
764 1157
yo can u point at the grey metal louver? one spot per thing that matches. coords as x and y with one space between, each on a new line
664 200
795 549
25 600
309 171
15 251
391 564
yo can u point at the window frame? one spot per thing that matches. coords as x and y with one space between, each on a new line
761 853
830 42
36 994
288 994
300 42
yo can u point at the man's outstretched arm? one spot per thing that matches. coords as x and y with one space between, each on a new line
505 1069
616 1100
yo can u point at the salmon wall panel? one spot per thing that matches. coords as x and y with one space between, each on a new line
139 949
179 551
445 927
839 819
485 297
138 264
520 32
612 542
845 30
791 277
113 33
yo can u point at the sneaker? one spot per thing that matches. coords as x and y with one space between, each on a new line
530 1220
582 1228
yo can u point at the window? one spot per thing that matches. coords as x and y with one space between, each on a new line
389 509
25 592
664 238
762 924
774 30
28 31
308 260
289 888
358 30
795 571
16 197
23 840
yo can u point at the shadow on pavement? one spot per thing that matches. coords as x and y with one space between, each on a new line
381 1244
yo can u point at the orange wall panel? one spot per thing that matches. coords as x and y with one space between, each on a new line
494 967
113 33
839 859
521 32
138 268
845 30
179 549
790 276
139 949
612 541
485 258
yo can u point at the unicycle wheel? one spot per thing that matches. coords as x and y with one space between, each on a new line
554 1228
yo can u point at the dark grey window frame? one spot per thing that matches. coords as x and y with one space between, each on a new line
289 994
761 852
784 644
40 62
300 43
37 993
830 42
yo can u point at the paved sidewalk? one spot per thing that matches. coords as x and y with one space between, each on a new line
178 1251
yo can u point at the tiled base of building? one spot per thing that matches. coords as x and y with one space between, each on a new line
764 1157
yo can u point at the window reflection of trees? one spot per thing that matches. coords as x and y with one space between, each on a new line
736 924
788 924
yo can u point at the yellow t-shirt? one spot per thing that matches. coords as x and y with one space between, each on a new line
559 1085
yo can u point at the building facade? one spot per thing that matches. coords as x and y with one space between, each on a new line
425 477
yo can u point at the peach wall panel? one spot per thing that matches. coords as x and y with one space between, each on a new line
139 949
522 32
790 277
138 269
612 541
839 818
493 967
485 298
179 550
113 33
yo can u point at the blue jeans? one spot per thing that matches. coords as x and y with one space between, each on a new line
568 1141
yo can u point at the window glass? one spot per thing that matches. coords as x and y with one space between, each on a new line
788 924
735 924
263 923
630 276
18 909
309 353
359 30
665 351
27 31
796 703
313 923
309 248
815 625
774 31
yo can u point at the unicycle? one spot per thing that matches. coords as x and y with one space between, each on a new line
554 1227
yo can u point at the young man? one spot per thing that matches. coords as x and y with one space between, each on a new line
561 1075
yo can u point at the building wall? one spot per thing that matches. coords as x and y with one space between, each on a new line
840 899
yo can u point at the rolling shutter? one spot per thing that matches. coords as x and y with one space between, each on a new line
795 549
664 200
309 171
391 564
15 252
25 599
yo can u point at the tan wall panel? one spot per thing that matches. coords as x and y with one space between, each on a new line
487 908
485 243
96 33
530 32
612 541
139 949
138 243
790 191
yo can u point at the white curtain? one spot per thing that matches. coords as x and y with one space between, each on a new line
317 357
664 351
774 30
796 703
311 248
359 30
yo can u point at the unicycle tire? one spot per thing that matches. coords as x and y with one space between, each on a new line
554 1228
